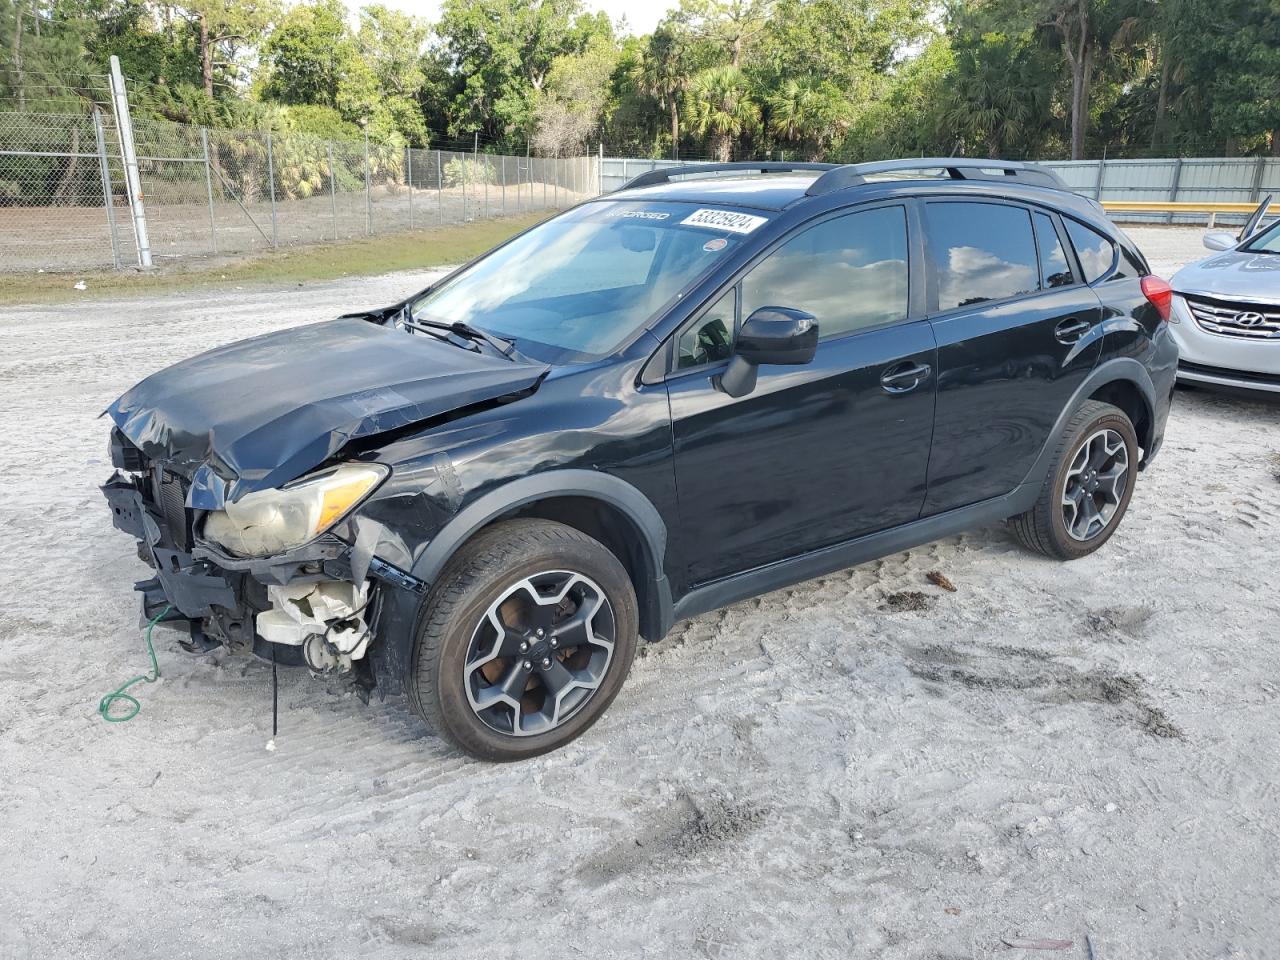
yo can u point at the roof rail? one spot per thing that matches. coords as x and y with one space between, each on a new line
691 169
957 168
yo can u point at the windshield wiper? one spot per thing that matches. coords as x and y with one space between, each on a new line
462 329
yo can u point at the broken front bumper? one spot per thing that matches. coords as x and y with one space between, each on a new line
222 597
189 587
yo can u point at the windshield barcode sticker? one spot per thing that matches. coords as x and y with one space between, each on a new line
724 220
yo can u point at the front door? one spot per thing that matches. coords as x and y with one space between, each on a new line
819 453
1013 321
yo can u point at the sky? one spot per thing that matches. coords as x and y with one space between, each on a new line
642 15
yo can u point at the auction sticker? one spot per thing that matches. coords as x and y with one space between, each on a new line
715 245
724 220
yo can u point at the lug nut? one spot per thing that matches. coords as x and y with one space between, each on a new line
528 665
554 643
524 646
546 663
540 632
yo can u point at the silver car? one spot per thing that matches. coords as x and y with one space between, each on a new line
1226 309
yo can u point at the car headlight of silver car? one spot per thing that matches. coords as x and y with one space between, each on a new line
271 521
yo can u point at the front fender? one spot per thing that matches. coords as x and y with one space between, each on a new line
393 654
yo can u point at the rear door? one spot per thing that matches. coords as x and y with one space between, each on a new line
1013 320
817 453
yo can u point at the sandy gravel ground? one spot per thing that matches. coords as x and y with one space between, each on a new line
864 766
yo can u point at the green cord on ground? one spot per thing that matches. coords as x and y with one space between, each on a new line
104 705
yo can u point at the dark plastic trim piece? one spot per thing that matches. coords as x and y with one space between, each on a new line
648 522
786 573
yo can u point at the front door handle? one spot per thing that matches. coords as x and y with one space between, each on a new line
905 377
1071 329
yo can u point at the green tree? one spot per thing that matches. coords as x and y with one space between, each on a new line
304 57
720 107
734 25
1088 32
908 118
1223 92
501 52
1001 89
574 103
805 113
661 72
226 31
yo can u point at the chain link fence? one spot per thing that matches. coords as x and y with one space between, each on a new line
211 192
208 193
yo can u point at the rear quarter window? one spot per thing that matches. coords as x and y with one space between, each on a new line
1095 252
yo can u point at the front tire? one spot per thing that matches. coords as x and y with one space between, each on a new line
524 641
1088 488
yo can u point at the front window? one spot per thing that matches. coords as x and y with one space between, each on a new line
850 272
576 287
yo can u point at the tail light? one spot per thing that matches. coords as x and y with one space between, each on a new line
1160 294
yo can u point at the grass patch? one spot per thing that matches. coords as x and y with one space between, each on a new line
418 250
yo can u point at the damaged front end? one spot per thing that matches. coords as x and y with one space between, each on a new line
240 472
315 604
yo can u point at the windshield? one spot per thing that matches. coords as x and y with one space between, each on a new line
576 287
1266 242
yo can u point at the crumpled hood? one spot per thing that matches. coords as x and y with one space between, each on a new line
256 414
1233 275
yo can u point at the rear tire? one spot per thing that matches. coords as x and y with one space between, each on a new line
524 641
1088 488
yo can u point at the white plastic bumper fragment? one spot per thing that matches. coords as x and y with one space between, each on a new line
325 619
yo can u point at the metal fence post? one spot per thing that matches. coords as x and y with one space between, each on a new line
133 183
408 177
333 192
1177 180
1102 167
439 187
106 186
271 182
1256 193
368 196
208 183
504 184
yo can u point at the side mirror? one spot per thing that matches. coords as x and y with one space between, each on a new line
1220 240
778 335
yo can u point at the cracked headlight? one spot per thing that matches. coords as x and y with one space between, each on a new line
271 521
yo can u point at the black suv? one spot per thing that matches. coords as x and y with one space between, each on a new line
716 382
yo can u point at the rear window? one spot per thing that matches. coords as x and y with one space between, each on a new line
1095 251
980 252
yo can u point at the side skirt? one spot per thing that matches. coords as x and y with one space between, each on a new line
785 573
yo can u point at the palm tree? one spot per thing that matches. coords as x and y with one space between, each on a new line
999 96
661 75
803 112
718 105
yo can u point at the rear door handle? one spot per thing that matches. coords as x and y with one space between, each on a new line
905 377
1071 329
